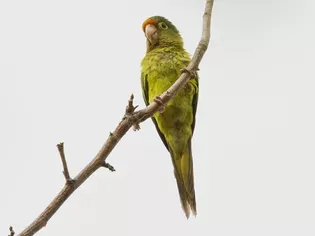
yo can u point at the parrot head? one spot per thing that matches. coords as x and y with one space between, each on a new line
160 32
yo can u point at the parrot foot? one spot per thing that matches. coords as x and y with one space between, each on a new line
191 73
158 100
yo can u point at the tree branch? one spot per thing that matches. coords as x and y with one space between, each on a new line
60 147
130 119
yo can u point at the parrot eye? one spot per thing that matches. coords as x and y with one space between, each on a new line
163 25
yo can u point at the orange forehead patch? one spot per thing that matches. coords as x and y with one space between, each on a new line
147 22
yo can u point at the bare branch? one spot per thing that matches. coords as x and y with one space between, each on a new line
130 119
60 147
130 109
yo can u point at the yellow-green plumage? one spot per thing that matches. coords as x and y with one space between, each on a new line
161 67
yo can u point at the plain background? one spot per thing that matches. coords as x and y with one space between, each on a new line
67 69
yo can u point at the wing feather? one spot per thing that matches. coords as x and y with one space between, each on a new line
195 103
145 93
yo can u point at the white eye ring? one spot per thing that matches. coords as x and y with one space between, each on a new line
163 25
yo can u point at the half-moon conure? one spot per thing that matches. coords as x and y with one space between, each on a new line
161 66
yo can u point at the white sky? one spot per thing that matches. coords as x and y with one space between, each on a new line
67 69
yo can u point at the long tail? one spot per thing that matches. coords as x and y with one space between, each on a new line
184 174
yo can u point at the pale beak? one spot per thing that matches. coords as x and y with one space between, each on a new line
151 34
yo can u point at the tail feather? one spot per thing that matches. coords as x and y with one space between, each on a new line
184 174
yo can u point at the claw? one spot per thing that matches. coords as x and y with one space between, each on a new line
159 101
191 73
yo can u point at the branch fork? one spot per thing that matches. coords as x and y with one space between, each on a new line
130 111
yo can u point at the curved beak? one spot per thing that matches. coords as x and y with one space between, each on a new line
151 33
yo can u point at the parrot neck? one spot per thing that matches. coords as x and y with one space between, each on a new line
174 41
174 45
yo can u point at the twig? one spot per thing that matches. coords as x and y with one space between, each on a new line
131 118
108 166
11 231
65 172
130 109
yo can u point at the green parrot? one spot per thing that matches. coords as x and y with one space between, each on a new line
161 67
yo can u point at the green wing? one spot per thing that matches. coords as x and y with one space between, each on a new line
145 94
195 102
